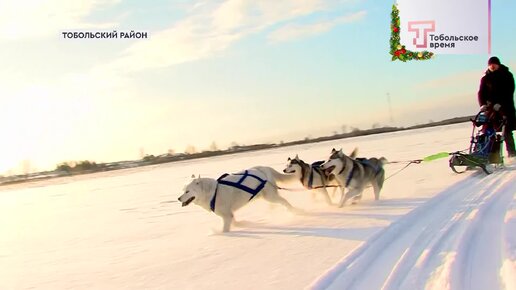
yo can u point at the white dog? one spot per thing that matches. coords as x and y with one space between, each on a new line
225 195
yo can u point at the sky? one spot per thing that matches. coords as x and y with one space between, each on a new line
218 71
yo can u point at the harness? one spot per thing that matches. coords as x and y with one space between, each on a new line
213 199
315 166
238 184
366 162
348 180
363 161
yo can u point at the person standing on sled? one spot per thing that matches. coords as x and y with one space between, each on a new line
497 92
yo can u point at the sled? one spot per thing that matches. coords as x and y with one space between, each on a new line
485 146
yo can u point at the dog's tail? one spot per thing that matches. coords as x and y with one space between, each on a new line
274 176
354 153
383 160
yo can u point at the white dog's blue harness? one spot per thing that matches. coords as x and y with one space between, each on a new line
239 184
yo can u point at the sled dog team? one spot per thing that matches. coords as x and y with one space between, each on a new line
223 196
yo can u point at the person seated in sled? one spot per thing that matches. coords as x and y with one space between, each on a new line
489 119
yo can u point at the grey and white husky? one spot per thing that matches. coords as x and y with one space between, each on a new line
355 174
312 176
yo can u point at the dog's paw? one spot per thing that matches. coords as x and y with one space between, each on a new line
219 231
238 223
246 224
215 232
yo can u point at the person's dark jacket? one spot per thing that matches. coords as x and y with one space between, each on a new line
497 87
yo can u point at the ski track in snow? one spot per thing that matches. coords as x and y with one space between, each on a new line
456 240
509 264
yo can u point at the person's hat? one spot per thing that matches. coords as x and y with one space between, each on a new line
493 60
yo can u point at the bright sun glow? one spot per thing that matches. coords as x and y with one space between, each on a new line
35 123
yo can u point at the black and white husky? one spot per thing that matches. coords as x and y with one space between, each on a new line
355 174
312 176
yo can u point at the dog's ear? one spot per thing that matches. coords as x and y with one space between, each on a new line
341 154
297 157
193 176
354 153
289 159
333 150
199 176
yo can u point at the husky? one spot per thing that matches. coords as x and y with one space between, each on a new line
223 196
355 174
312 177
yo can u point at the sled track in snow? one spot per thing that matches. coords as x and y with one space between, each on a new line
455 240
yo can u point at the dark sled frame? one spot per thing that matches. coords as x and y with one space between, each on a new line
485 147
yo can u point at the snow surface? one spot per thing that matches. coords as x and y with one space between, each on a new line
432 228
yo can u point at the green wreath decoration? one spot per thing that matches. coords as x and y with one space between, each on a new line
398 50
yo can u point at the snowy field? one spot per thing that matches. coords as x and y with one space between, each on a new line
432 229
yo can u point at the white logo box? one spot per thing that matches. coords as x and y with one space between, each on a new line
454 26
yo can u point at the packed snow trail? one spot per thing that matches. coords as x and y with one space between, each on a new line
454 241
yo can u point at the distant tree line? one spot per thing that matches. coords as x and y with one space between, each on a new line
191 152
76 167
